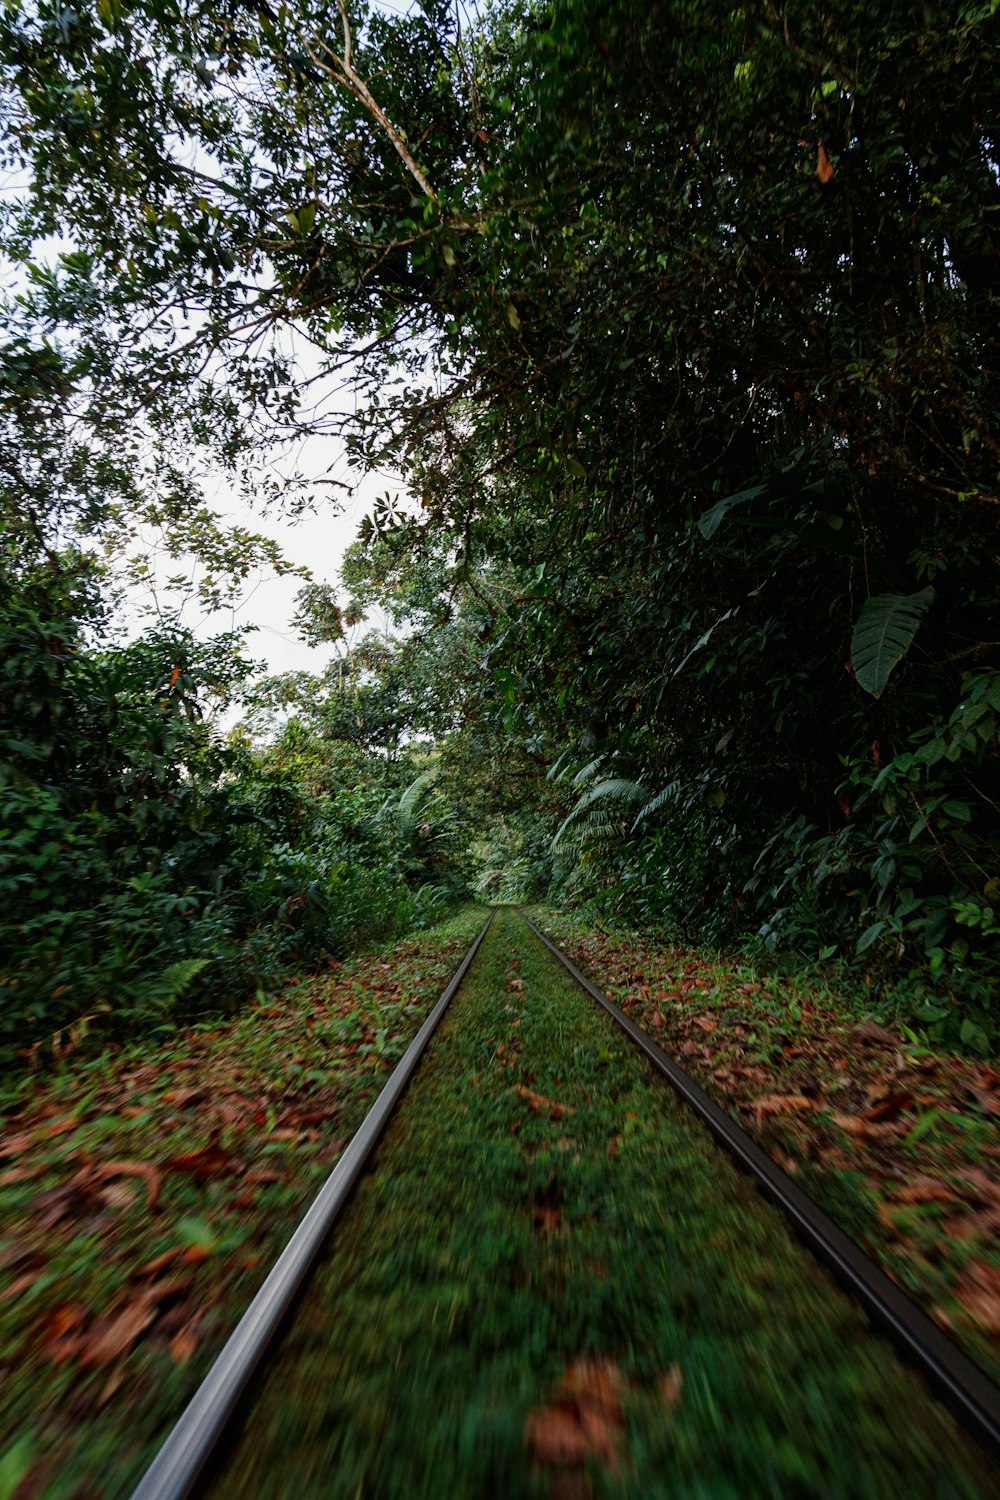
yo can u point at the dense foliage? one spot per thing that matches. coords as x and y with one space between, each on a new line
681 320
149 865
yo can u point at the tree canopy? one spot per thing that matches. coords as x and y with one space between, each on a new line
680 322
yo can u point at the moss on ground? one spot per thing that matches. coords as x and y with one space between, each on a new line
552 1283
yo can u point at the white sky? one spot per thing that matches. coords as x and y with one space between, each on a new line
318 541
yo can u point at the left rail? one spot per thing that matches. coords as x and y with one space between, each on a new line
177 1466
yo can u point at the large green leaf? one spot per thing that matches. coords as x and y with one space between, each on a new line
883 635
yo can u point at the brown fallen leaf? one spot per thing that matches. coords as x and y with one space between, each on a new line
584 1420
210 1160
112 1336
873 1033
62 1320
183 1097
856 1125
24 1173
182 1346
987 1099
780 1104
259 1175
539 1105
159 1262
555 1435
979 1294
149 1174
548 1220
985 1225
13 1145
892 1104
921 1189
984 1186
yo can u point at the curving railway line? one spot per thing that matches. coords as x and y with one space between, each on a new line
533 1271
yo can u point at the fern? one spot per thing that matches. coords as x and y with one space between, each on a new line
583 776
408 806
655 803
615 788
169 985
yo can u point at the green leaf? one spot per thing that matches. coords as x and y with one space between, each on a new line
883 634
868 936
711 520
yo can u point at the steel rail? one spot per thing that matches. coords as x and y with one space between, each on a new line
964 1387
177 1466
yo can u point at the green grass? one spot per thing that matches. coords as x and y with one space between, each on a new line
493 1248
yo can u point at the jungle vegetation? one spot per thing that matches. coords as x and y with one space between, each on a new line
680 323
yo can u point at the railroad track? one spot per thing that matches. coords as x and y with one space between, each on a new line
200 1442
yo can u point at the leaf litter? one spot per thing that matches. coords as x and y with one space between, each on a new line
143 1197
900 1144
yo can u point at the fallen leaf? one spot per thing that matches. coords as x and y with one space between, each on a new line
183 1097
985 1186
197 1254
584 1420
988 1101
871 1031
159 1262
211 1160
548 1220
780 1104
856 1125
113 1336
182 1346
539 1105
555 1435
25 1173
979 1294
892 1104
972 1226
150 1175
922 1189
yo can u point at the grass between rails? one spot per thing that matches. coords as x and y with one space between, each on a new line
900 1144
144 1197
553 1284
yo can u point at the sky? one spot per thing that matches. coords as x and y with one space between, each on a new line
316 540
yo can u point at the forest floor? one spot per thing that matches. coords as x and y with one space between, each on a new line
898 1142
144 1195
